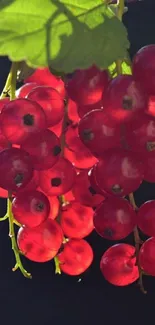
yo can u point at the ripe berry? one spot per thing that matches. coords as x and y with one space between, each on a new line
146 218
30 208
124 98
144 68
139 134
57 129
3 102
78 154
76 257
83 110
147 256
59 179
16 169
119 172
118 265
40 244
77 220
114 219
98 132
84 192
44 149
20 119
72 111
23 91
43 77
86 87
51 102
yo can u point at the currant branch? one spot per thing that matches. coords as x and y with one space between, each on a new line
61 198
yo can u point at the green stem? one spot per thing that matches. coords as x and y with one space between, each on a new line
120 11
11 86
57 265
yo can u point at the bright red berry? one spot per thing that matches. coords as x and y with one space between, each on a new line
76 257
147 256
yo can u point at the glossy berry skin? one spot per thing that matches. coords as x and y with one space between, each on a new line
44 149
4 143
32 184
20 119
3 102
118 265
72 108
23 91
84 109
78 153
77 220
76 257
30 208
54 207
146 218
57 129
84 192
147 256
144 68
43 77
139 134
59 179
40 244
86 87
98 132
119 172
16 169
114 219
51 102
93 182
124 98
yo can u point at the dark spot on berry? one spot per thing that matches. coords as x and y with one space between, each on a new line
28 119
56 150
40 206
88 135
91 190
18 179
56 181
116 189
150 146
127 103
108 232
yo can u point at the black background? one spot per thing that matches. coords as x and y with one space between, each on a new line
54 299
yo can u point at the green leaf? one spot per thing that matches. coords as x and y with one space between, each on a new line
126 68
63 34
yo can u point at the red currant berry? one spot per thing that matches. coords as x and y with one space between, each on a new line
59 179
147 256
118 265
43 77
23 91
20 119
76 257
30 208
119 172
124 98
40 244
16 169
98 132
51 102
44 149
86 87
144 68
77 220
114 219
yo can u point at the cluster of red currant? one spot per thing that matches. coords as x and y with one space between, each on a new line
72 153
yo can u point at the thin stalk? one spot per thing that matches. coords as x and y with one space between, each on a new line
120 11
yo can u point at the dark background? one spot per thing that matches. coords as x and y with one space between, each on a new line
54 299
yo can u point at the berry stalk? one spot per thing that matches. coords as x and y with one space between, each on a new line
120 11
61 198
